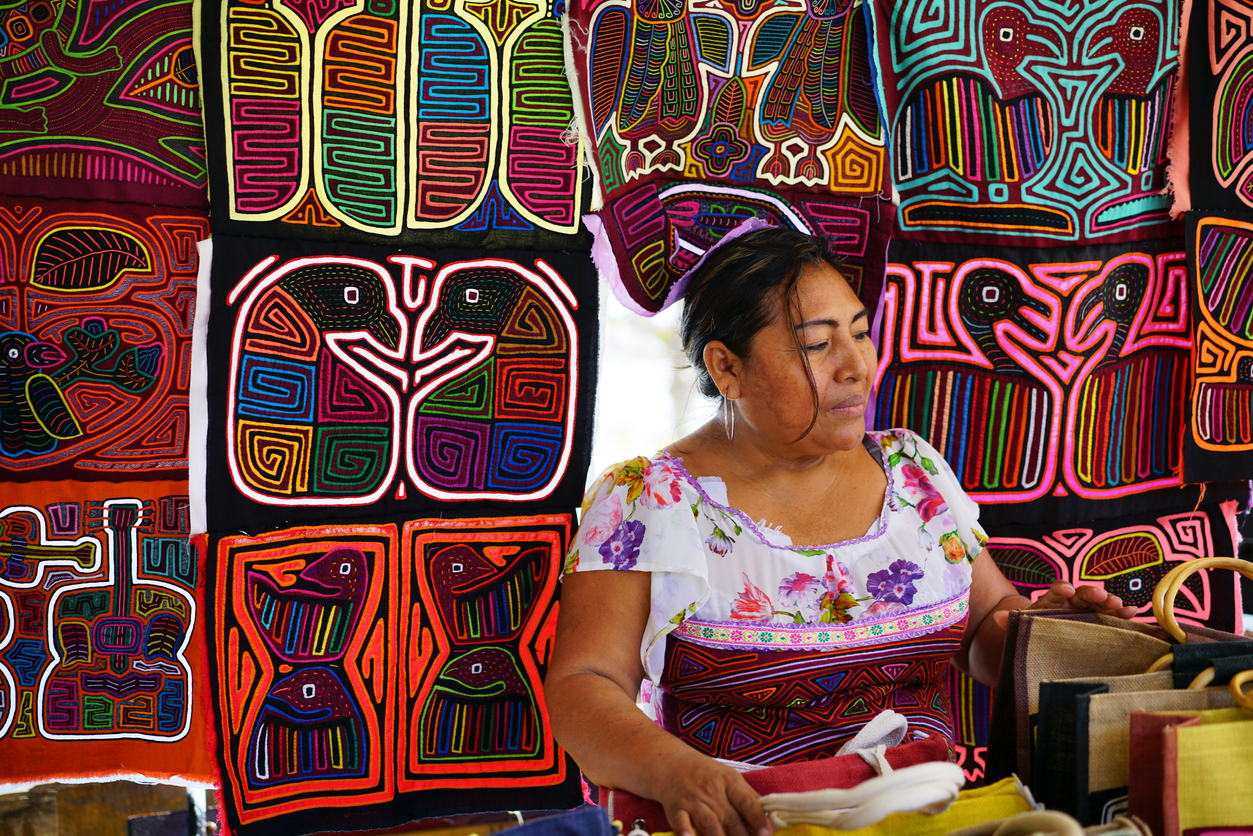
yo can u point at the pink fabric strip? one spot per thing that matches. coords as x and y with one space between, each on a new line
1179 165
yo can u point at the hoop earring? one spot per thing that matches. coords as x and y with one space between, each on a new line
728 417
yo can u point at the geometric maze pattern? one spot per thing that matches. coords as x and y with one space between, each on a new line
95 339
1033 377
353 382
437 123
101 632
782 706
1030 122
382 666
702 119
1219 440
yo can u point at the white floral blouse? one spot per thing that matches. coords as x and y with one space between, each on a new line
727 580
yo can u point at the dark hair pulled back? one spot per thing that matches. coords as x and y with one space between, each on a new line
734 294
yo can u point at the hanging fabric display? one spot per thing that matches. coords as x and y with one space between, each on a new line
1028 123
1218 443
1220 57
433 123
373 666
357 382
703 119
102 665
95 339
1128 556
101 101
365 672
1053 381
101 655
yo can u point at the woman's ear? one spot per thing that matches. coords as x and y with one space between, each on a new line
724 368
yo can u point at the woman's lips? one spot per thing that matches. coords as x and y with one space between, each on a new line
851 407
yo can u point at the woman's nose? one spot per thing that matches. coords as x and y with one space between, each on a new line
851 363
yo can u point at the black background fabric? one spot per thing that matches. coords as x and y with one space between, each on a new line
230 510
1053 506
1200 464
403 807
211 39
1207 192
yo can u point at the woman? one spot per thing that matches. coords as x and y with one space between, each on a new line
713 543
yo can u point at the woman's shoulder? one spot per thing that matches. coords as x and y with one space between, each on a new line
652 479
634 511
900 446
656 483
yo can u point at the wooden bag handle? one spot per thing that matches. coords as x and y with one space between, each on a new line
1237 689
1168 587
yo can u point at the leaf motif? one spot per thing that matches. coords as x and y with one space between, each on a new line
86 259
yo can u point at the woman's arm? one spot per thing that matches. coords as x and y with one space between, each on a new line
593 677
991 599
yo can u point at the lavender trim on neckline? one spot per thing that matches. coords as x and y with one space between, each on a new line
752 526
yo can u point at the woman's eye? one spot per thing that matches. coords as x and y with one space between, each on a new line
862 335
817 346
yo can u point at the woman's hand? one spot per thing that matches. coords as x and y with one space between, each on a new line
705 798
1064 596
992 598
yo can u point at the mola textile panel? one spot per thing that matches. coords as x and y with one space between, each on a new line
367 675
102 654
101 101
350 382
1218 442
96 313
1054 381
1220 69
430 123
1024 122
702 119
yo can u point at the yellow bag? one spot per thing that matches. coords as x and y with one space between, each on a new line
997 801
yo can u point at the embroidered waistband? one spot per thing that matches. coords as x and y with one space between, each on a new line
741 635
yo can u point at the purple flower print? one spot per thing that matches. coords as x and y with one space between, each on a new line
719 542
804 592
622 548
895 584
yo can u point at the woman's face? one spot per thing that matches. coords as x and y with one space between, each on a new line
833 328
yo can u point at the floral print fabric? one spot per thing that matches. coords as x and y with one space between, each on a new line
711 562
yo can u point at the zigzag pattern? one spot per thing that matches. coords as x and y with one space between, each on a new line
784 706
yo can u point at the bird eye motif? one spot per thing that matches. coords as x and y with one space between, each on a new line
1120 291
352 295
458 567
472 295
991 295
309 690
1006 34
345 568
14 353
477 667
1137 33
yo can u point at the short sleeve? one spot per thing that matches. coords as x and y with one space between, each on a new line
916 451
638 517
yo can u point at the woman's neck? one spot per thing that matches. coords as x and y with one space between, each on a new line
753 458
